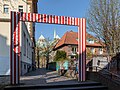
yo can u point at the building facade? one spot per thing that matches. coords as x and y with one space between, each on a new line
69 44
95 49
27 34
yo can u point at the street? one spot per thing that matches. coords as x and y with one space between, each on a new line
42 79
43 76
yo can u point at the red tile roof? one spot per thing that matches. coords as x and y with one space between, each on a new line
70 38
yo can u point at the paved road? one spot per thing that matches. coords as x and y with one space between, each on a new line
43 76
40 77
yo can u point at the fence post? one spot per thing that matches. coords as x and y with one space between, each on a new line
96 68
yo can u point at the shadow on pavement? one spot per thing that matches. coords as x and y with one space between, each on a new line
40 71
42 76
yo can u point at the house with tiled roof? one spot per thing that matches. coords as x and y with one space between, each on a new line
69 44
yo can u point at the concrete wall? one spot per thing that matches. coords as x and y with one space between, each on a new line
105 80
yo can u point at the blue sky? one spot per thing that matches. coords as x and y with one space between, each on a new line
72 8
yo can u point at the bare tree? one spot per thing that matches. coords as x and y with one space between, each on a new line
104 20
45 50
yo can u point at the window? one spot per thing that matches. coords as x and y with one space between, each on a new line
24 66
20 8
6 8
27 47
92 50
72 56
100 51
74 50
91 41
29 51
24 44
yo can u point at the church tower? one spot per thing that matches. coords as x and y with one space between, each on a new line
41 41
55 35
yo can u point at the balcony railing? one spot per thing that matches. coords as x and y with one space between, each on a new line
105 74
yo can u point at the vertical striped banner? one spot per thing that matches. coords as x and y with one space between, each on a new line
82 48
53 19
15 48
34 17
18 64
76 21
56 19
24 17
50 19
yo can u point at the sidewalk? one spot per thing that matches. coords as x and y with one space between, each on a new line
34 77
43 76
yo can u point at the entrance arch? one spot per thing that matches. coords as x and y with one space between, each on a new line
16 17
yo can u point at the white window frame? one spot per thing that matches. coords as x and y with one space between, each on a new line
20 8
93 50
74 50
6 8
91 41
100 51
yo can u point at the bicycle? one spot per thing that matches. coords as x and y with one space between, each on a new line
73 72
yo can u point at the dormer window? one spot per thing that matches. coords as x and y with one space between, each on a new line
91 41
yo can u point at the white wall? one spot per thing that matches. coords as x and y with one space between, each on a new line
103 61
13 5
4 56
26 57
5 37
4 48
